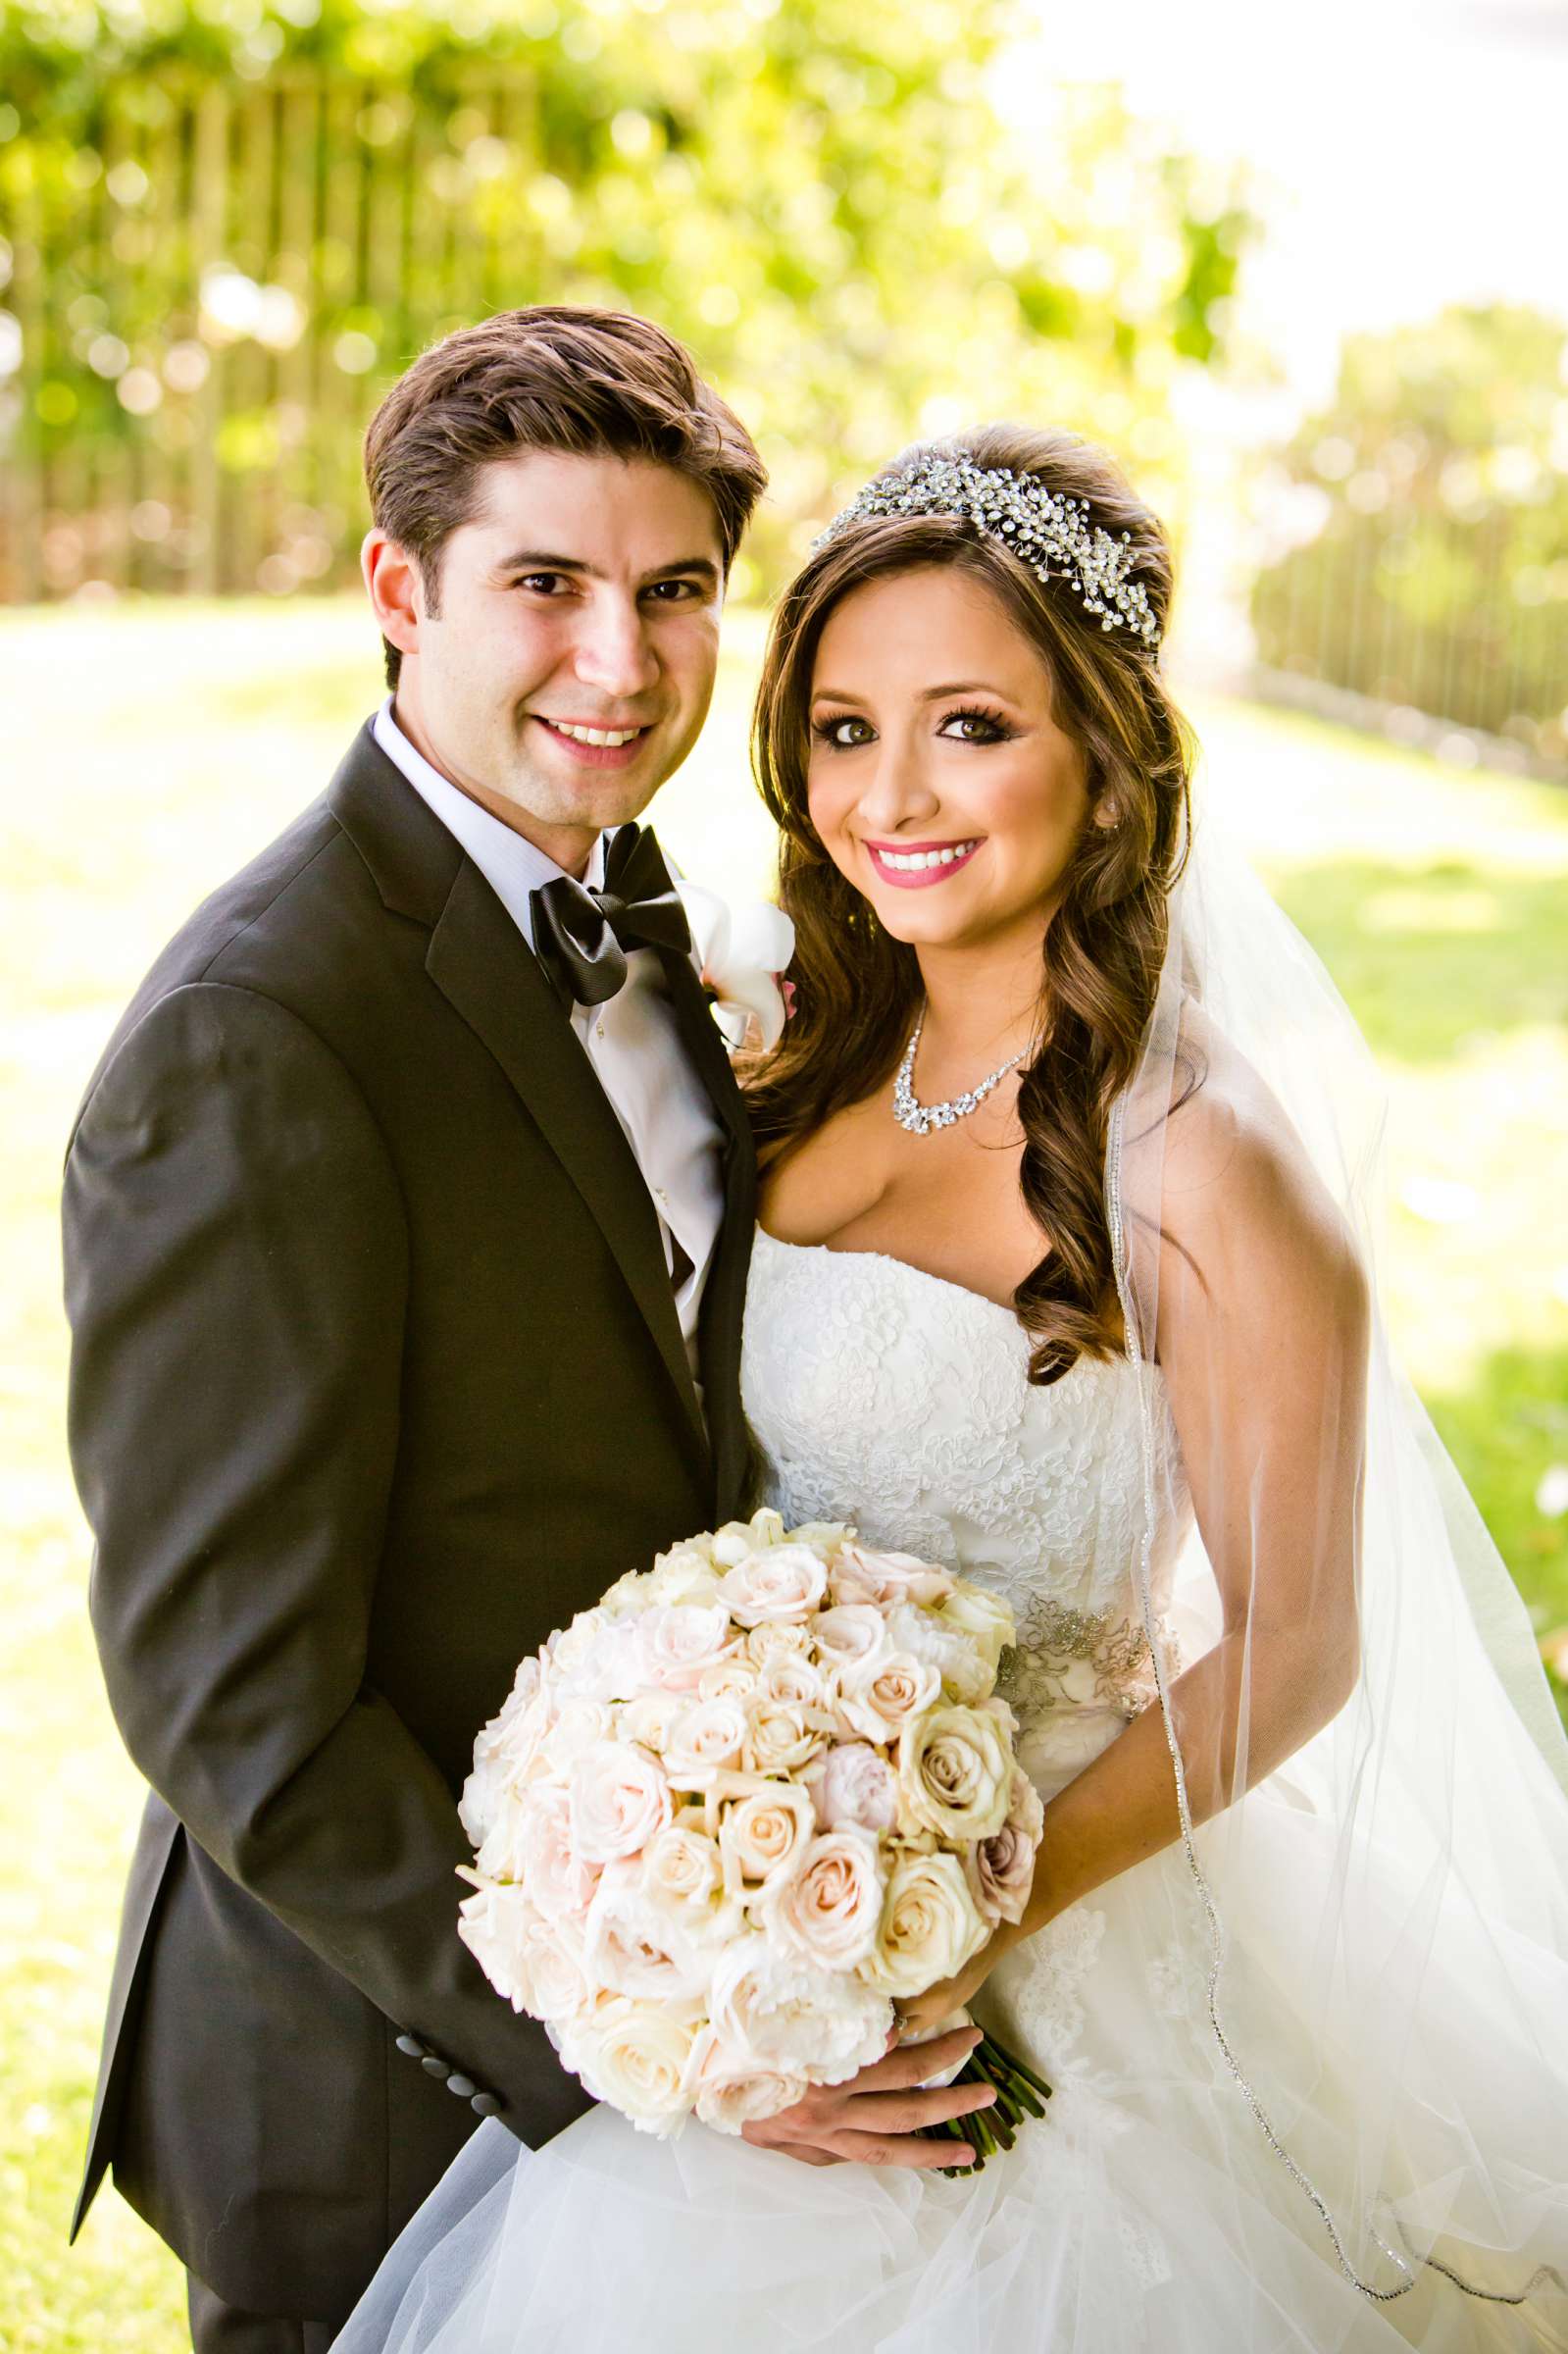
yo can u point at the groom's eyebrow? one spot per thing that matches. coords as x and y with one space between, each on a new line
543 559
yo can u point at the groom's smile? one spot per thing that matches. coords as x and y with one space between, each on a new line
559 664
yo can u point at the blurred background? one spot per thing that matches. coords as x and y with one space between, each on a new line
1302 271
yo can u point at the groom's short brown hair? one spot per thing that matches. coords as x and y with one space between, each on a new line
552 376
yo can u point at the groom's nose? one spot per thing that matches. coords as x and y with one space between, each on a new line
613 649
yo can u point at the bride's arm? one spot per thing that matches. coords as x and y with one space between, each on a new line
1262 1337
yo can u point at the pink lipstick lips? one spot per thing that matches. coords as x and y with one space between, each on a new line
916 866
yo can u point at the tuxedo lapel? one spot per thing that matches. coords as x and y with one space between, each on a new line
487 973
480 961
724 1293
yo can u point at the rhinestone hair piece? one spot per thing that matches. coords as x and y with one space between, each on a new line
1051 535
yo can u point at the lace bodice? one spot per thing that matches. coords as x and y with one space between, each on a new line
889 1398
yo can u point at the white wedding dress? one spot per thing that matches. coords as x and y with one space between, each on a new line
1149 2210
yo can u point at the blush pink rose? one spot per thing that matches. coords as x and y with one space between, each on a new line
854 1785
549 1864
678 1642
878 1696
831 1909
860 1574
620 1800
780 1584
1000 1872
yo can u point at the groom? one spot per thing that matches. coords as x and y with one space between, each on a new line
407 1222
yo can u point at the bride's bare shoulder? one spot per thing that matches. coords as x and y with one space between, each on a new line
1235 1180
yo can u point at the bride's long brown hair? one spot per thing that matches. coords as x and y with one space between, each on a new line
857 989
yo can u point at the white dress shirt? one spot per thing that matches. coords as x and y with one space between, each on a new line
632 1040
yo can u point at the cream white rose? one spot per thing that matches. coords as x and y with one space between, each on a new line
493 1923
930 1925
779 1738
710 1736
620 1800
985 1617
635 2054
633 1947
535 1963
765 1643
860 1574
738 1538
579 1723
854 1784
779 2012
763 1834
829 1911
684 1576
966 1671
793 1678
598 1657
506 1755
679 1641
734 1678
780 1583
731 2091
652 1718
628 1595
850 1632
683 1871
955 1770
878 1696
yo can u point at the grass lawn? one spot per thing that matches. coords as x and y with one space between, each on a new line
152 750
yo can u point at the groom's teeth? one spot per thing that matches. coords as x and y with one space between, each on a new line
595 734
908 861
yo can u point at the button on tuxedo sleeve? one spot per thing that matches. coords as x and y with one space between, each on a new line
235 1280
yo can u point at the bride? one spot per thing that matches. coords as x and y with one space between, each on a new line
1064 1280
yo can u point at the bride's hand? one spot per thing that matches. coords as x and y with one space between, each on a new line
881 2117
926 2011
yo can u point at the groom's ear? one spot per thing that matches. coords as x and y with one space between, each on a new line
395 589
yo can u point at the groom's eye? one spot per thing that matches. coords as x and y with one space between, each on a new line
544 584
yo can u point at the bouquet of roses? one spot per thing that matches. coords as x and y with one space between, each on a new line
728 1814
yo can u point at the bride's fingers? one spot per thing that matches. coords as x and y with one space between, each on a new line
912 2063
902 2149
909 2111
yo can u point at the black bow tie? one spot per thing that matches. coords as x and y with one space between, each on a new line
580 937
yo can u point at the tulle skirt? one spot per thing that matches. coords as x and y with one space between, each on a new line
1149 2210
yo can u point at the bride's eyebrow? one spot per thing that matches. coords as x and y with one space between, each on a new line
928 695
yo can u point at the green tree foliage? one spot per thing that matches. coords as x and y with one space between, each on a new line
1429 505
228 223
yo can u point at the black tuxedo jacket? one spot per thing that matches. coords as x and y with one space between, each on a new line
376 1378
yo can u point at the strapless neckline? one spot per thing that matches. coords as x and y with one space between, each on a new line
889 1258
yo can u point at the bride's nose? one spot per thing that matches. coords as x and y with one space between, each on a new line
897 790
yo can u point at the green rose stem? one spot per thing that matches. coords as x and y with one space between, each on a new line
1019 2094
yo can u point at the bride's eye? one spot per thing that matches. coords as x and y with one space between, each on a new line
977 726
831 732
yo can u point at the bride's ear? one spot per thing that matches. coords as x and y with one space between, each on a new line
393 585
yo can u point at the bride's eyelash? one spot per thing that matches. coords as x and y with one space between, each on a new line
822 729
982 712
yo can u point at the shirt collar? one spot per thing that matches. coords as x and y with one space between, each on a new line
513 866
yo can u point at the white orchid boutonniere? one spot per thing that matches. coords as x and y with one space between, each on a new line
742 952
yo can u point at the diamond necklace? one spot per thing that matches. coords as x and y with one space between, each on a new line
920 1119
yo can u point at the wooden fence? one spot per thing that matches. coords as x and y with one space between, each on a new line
212 297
